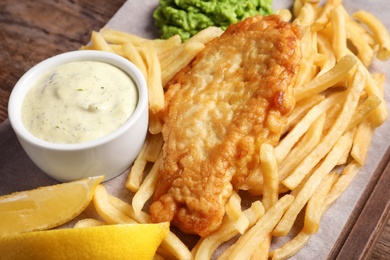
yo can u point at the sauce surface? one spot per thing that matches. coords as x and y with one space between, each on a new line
78 102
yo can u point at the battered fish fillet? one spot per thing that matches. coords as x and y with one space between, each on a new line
234 96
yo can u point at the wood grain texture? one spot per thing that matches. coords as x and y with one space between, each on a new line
366 226
382 246
33 30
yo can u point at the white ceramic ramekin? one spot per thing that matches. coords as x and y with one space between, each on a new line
109 155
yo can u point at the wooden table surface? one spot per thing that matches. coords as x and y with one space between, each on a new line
33 30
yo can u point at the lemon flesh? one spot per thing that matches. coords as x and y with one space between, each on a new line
45 207
127 241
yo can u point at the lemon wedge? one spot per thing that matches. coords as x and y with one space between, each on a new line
125 241
45 207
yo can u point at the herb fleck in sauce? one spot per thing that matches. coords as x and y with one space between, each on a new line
79 102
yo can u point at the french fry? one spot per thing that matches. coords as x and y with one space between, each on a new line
362 141
206 35
118 37
164 46
380 114
207 246
192 45
297 6
323 18
307 143
363 110
149 153
146 189
88 222
109 213
379 31
269 167
173 246
133 55
158 257
333 134
364 51
136 174
155 87
246 244
286 144
128 210
305 69
320 59
301 185
331 115
361 28
186 55
155 124
99 43
341 184
339 37
347 152
379 80
291 247
116 48
153 147
300 110
326 80
326 49
262 251
330 161
285 14
225 255
313 212
168 58
307 13
86 47
233 211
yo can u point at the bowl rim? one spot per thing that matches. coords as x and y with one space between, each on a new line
29 78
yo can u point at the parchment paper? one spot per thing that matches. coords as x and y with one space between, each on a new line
17 171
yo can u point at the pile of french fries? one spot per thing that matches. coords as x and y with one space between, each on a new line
339 103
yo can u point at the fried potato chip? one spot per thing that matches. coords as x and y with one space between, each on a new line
339 36
379 31
106 210
247 243
313 211
146 189
207 246
310 186
286 144
326 80
118 37
99 43
291 247
342 183
88 222
234 213
337 130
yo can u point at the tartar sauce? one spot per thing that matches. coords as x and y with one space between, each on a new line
78 102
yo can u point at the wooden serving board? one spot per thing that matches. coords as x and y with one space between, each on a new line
360 235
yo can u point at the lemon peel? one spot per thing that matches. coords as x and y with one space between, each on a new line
123 241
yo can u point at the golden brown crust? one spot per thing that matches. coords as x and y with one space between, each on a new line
234 96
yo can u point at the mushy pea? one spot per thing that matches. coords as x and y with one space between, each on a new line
187 17
78 102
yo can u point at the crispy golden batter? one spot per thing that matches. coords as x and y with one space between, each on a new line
234 96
